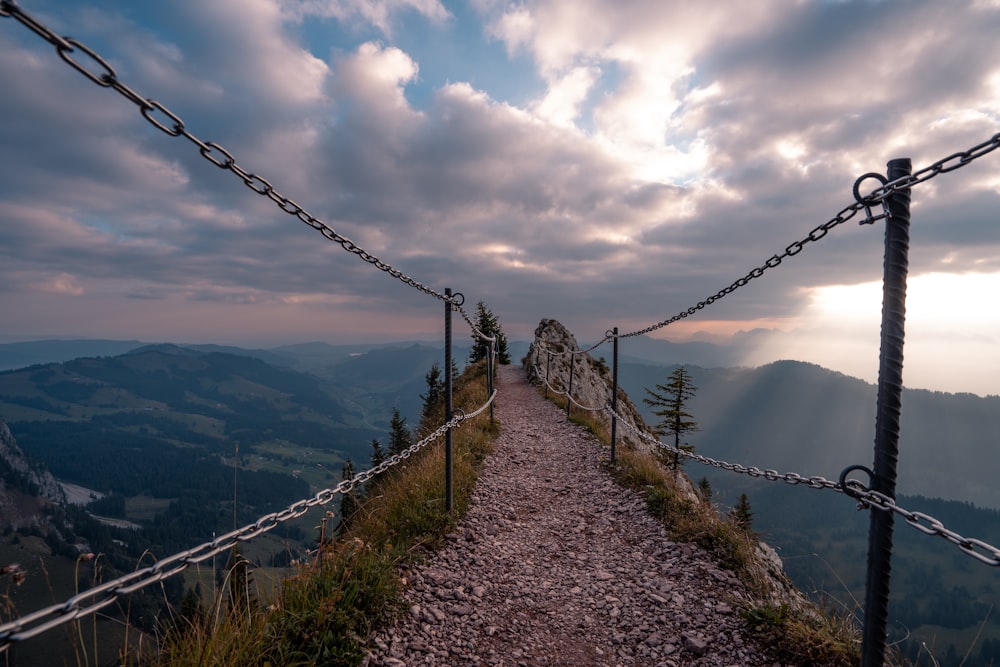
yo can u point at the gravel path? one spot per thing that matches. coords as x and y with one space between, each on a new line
555 564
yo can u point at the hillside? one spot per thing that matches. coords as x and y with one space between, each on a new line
795 416
798 417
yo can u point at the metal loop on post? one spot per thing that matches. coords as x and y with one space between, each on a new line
866 201
851 487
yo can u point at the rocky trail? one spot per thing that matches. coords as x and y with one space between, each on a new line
555 564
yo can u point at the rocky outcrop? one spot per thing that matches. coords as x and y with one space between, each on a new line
21 471
548 359
24 488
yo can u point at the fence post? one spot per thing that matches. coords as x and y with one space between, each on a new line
614 397
569 392
490 360
448 496
548 367
889 407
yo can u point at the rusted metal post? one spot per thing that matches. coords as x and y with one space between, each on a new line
569 392
448 484
490 360
614 397
889 408
548 368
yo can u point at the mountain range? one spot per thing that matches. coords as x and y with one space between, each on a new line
162 429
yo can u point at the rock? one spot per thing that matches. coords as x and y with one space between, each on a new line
694 644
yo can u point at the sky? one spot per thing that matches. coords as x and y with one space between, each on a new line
600 163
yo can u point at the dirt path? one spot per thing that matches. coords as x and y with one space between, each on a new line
554 564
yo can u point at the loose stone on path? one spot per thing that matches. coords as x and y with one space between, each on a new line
555 564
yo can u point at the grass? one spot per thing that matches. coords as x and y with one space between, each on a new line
349 585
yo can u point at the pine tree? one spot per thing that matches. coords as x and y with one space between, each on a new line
348 501
400 438
378 454
672 398
432 413
741 513
706 488
488 324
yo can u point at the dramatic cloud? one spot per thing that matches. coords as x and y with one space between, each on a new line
602 163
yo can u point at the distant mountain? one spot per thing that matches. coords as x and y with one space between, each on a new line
646 350
116 423
19 355
795 416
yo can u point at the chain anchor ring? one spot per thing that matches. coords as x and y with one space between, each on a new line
869 218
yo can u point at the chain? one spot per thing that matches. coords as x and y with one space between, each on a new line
942 166
925 523
814 482
602 408
877 196
94 599
159 116
791 250
593 347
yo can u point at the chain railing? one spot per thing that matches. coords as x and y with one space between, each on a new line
563 353
980 550
94 599
95 68
925 523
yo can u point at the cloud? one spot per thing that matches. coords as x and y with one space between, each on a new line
378 13
673 148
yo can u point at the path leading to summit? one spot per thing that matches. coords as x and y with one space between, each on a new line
554 564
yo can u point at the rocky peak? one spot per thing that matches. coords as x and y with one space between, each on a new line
592 381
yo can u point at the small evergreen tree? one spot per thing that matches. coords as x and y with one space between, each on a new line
348 501
378 454
400 438
741 514
488 324
705 487
432 412
672 400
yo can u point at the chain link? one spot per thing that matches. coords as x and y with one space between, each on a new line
877 196
159 116
94 599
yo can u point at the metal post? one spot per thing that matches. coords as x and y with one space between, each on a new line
448 496
569 392
548 367
614 397
490 360
889 407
